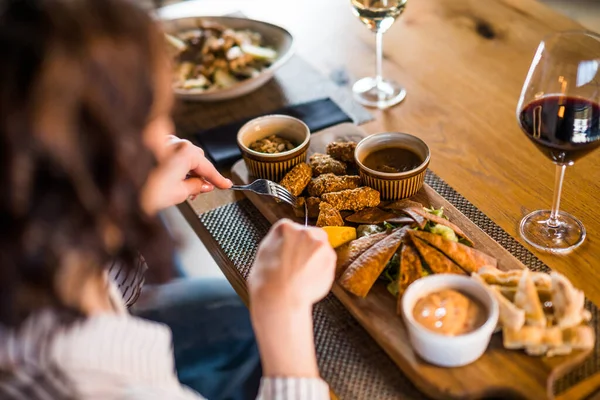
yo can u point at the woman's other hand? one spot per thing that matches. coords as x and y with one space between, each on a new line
294 268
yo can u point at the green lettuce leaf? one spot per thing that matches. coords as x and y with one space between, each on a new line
368 230
387 225
392 269
392 287
439 212
445 232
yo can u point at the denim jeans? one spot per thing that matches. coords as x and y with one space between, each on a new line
214 345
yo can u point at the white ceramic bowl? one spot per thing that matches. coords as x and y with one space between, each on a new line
273 36
449 351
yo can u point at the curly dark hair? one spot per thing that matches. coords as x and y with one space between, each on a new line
77 86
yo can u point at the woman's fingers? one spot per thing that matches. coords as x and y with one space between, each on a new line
195 185
192 158
205 169
183 172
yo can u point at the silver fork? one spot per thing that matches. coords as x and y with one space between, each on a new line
269 188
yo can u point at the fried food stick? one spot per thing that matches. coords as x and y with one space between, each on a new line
328 183
342 151
312 204
324 164
329 216
353 199
297 179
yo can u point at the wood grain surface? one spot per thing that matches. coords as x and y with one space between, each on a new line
463 63
499 372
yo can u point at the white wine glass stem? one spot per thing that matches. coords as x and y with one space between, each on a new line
375 90
558 182
379 46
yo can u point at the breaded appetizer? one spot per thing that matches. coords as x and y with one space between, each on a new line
299 208
419 214
297 179
328 183
342 151
465 257
353 199
372 215
411 269
329 216
360 276
312 204
324 164
437 261
351 251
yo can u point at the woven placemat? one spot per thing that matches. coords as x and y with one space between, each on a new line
349 359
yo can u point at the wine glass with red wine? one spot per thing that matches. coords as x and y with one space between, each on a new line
559 111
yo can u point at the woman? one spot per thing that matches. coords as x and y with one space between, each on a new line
86 163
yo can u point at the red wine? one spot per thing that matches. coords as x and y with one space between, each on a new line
563 128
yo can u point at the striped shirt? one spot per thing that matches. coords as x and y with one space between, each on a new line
130 282
112 356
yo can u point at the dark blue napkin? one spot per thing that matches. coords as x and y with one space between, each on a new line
220 143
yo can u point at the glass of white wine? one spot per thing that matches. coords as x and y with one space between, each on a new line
378 15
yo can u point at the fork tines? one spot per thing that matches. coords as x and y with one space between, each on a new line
282 193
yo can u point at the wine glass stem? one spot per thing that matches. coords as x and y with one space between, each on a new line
379 46
558 181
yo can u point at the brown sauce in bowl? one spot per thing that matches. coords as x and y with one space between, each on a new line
392 160
449 312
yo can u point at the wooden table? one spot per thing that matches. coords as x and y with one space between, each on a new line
463 63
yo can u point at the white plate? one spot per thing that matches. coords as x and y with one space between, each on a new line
273 36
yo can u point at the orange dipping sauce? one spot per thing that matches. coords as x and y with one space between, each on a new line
449 312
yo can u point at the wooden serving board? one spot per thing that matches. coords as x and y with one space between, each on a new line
499 372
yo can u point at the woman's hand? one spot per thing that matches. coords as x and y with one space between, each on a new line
294 268
182 171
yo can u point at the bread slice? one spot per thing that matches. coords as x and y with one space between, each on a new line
568 302
580 337
494 276
511 316
528 300
527 336
544 294
550 341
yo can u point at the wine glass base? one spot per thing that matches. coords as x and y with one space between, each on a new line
368 92
561 239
